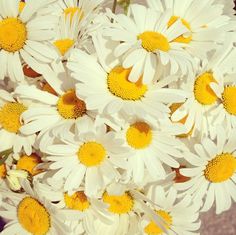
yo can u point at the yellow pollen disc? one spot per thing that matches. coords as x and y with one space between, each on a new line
152 41
91 154
3 171
70 106
153 229
12 34
139 135
221 168
10 116
21 6
78 201
72 11
120 86
173 108
229 99
64 45
120 204
181 38
33 216
28 163
202 90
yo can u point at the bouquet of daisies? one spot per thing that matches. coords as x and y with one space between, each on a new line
116 123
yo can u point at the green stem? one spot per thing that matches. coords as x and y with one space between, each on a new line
4 155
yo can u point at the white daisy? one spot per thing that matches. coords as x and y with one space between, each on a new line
91 157
105 88
23 37
147 42
11 110
151 147
204 18
179 216
30 213
213 173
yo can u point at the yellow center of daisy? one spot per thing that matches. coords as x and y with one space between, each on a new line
72 11
70 106
12 34
28 163
139 135
152 41
64 45
221 168
33 216
10 116
181 38
3 171
77 201
120 86
119 204
202 90
21 6
153 229
229 99
91 154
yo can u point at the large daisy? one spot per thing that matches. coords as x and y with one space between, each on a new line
147 42
105 87
204 19
23 37
92 157
212 172
180 216
30 213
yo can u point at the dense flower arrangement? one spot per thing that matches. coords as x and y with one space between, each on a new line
116 124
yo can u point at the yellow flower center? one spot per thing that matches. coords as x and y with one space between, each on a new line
21 6
120 86
28 163
78 201
221 168
202 90
3 171
181 38
72 11
153 229
64 45
152 41
173 108
33 216
229 99
10 116
91 154
70 106
13 34
119 204
139 135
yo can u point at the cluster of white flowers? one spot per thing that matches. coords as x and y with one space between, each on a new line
116 124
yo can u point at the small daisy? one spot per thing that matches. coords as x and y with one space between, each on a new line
148 44
213 173
23 37
204 19
11 110
107 89
151 145
179 216
91 157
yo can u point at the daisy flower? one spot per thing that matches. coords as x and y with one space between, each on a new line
11 110
151 145
105 87
179 216
30 213
147 42
213 171
203 18
91 157
23 37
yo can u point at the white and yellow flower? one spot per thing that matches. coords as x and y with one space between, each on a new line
213 175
